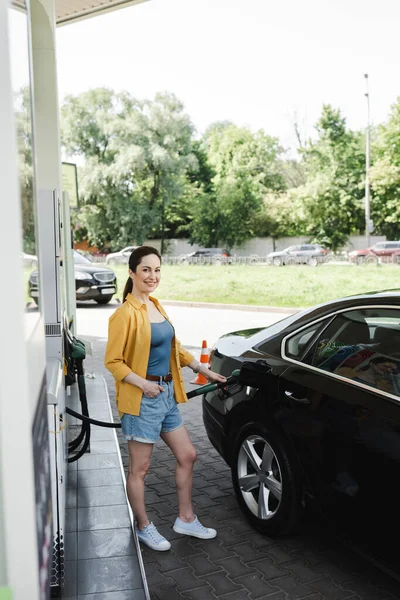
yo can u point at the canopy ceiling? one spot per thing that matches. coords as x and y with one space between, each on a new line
70 11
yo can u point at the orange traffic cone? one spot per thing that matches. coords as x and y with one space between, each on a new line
204 359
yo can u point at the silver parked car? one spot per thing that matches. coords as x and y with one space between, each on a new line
310 254
121 257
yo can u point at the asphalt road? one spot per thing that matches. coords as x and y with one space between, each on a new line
192 325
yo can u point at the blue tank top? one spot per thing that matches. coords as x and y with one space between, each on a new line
160 349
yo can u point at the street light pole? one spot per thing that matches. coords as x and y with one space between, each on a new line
367 167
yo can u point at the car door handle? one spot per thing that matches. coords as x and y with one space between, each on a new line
295 399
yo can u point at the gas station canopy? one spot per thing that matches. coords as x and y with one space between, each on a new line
70 11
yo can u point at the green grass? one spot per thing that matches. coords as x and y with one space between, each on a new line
291 286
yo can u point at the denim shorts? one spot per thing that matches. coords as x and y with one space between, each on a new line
157 415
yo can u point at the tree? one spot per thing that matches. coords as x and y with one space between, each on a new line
135 156
24 148
385 177
281 215
244 166
333 194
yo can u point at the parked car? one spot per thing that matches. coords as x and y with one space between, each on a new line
381 249
316 418
121 257
215 256
29 260
310 254
92 282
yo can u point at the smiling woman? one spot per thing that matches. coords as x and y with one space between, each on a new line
145 359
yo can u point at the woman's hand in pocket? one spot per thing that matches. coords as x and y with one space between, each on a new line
151 389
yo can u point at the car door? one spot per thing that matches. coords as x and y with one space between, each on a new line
292 254
379 249
306 252
343 390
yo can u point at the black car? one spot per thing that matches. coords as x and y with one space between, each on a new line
315 418
213 256
309 254
92 282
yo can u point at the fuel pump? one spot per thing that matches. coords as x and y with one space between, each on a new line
52 294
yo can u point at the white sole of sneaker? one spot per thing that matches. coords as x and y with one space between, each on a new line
154 547
178 529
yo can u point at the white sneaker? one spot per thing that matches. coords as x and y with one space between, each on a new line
194 528
154 540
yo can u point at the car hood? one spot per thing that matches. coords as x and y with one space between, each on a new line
272 254
92 269
86 269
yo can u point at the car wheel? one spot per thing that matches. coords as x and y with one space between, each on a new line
253 260
290 261
217 262
277 261
266 480
369 260
112 261
104 300
313 261
184 261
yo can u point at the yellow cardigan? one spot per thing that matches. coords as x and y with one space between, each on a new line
128 349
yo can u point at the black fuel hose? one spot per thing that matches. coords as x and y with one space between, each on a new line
87 419
204 389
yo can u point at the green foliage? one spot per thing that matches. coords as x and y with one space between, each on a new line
243 167
144 175
280 216
385 177
22 111
332 197
135 155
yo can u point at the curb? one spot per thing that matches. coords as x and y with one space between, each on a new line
246 307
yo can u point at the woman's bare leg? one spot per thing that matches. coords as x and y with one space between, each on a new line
139 462
185 454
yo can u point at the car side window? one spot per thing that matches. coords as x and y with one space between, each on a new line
298 345
362 346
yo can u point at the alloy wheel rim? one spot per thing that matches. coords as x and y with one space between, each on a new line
259 477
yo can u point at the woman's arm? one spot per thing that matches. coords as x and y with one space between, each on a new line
198 367
149 388
118 329
187 360
114 361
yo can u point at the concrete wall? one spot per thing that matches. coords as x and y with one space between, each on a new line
259 246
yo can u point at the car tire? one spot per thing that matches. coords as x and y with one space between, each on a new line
313 261
277 262
104 300
280 510
290 262
217 262
370 260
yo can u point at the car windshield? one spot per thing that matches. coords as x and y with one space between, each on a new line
79 259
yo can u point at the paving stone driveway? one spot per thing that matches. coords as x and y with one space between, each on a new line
240 563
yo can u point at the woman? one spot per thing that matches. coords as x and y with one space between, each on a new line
144 358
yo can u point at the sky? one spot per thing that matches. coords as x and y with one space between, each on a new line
259 63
